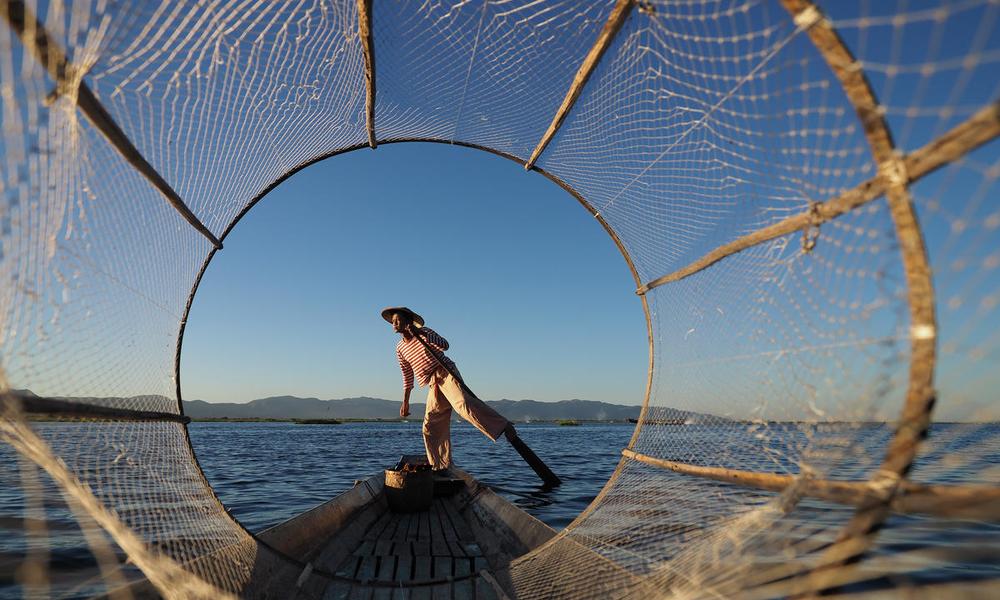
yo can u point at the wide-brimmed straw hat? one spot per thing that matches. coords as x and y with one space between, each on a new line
387 314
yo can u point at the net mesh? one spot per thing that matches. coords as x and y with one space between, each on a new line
780 365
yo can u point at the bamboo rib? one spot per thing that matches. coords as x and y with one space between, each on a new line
982 127
169 577
36 40
915 419
65 409
862 194
979 129
957 502
614 23
368 50
785 580
562 184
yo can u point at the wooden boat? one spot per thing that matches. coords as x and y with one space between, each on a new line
355 547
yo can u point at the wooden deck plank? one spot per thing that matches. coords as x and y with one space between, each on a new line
386 568
440 548
341 545
382 594
479 563
464 590
389 532
458 522
383 547
421 547
379 526
337 590
457 549
360 592
484 590
349 567
414 530
420 593
404 568
424 532
434 519
421 568
439 545
441 592
463 567
401 594
443 566
402 548
368 569
447 528
365 548
402 526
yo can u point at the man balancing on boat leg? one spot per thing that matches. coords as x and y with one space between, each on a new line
445 393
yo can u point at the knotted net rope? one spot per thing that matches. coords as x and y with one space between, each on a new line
806 196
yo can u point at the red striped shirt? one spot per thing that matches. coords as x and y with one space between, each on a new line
414 359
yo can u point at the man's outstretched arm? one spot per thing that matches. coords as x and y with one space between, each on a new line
404 410
404 366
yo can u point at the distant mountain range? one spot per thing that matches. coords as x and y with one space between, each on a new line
291 407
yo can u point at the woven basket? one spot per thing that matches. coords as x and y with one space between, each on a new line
409 491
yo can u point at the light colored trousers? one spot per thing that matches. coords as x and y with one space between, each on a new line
445 394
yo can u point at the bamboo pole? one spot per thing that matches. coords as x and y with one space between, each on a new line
171 579
915 419
536 464
65 409
368 51
957 502
614 23
36 40
979 129
952 145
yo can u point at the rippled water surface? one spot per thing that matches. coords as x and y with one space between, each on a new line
268 472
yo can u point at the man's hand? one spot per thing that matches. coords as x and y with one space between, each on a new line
404 410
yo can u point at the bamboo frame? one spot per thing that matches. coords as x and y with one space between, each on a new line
979 129
551 177
915 419
895 175
65 409
69 79
853 575
614 23
368 51
957 502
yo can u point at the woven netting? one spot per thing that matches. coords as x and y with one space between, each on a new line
805 195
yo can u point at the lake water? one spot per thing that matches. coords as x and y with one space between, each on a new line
266 473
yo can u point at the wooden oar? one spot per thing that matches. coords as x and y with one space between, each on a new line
536 464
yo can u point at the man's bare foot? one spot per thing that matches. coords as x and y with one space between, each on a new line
509 432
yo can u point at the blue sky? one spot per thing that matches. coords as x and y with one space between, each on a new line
533 295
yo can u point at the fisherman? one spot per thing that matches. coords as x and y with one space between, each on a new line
445 393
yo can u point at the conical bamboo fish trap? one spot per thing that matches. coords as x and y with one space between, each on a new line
805 195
